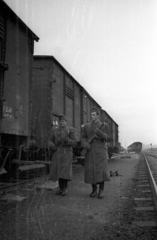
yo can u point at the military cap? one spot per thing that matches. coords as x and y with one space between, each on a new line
94 109
62 117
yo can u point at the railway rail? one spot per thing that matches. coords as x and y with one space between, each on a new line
152 169
145 197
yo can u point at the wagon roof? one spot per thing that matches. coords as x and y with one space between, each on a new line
6 7
110 117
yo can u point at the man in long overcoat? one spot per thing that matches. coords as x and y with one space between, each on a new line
96 163
61 142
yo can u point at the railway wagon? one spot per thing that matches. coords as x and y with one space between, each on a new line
16 59
135 147
113 144
56 92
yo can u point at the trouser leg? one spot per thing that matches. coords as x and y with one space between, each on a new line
60 189
65 185
94 190
101 190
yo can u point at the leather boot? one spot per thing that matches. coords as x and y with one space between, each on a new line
59 191
101 190
94 192
65 184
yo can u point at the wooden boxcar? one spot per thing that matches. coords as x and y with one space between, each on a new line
56 92
16 59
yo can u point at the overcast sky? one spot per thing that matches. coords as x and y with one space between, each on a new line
110 48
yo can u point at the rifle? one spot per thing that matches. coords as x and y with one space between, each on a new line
84 151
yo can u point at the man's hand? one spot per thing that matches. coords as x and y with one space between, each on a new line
52 146
98 132
64 140
86 145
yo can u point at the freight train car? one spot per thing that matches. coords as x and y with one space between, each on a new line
135 147
16 59
56 92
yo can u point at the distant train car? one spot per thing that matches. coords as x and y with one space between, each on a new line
16 55
135 147
56 92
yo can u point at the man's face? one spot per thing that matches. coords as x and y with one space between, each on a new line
94 116
62 123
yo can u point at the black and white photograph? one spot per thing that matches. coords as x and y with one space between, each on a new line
78 119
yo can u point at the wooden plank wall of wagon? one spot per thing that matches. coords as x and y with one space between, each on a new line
17 81
58 91
69 100
114 134
69 111
103 116
87 100
41 104
109 121
89 103
84 109
77 108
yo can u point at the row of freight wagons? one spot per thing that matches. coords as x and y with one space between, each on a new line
35 90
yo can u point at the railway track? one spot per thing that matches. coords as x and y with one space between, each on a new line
145 197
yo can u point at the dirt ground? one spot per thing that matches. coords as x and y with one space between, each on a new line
46 216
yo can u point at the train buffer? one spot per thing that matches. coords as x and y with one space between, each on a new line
31 171
46 163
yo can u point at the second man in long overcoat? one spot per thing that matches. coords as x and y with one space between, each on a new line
96 162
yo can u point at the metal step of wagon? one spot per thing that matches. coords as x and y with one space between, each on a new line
46 163
31 171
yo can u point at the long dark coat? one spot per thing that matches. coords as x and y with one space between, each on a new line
96 163
61 165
